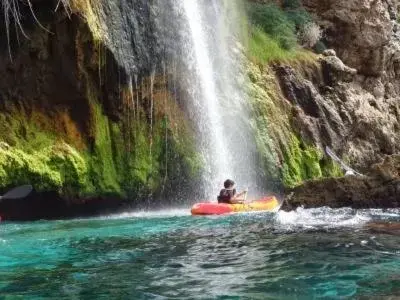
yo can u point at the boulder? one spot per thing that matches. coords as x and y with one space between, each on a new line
392 228
335 70
358 30
381 189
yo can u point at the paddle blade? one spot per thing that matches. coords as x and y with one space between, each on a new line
340 162
18 192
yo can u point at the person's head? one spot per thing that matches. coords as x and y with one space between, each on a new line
228 184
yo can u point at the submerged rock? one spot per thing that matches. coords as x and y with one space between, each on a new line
384 227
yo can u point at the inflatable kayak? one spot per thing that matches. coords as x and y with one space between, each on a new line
265 204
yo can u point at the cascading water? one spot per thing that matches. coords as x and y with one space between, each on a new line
227 137
196 41
216 151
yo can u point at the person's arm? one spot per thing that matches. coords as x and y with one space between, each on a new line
240 194
237 198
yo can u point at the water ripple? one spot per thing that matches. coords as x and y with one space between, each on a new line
306 254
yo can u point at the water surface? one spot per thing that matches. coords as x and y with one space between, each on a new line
307 254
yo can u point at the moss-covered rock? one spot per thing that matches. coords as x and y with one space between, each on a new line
301 163
59 168
284 154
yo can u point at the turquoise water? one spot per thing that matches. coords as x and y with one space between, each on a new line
307 254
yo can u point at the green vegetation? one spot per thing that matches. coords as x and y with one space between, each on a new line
275 22
103 168
59 168
296 13
264 49
35 149
300 163
124 156
283 155
303 162
265 119
273 31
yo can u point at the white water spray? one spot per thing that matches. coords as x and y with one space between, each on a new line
227 141
217 152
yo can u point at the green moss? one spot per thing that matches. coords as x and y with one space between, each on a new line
72 166
31 152
108 167
183 149
172 157
300 163
59 168
20 131
103 171
331 168
145 164
304 162
282 153
268 119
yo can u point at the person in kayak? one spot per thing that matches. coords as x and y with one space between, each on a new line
228 194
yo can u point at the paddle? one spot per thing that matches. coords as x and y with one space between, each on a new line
18 192
245 196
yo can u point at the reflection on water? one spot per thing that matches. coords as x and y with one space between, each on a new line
318 253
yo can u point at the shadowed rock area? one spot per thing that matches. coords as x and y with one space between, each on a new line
391 228
380 189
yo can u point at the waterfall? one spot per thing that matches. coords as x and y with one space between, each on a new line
215 148
197 41
228 142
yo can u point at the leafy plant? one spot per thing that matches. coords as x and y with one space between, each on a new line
275 22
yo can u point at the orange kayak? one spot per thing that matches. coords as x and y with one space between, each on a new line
207 208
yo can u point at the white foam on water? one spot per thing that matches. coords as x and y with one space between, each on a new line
321 218
383 213
165 213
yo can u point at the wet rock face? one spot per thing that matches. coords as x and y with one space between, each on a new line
31 66
359 30
350 102
65 85
383 227
344 110
139 32
381 189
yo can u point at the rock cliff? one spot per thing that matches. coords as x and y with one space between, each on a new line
365 101
71 120
347 99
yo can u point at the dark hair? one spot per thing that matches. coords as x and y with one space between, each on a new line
228 183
